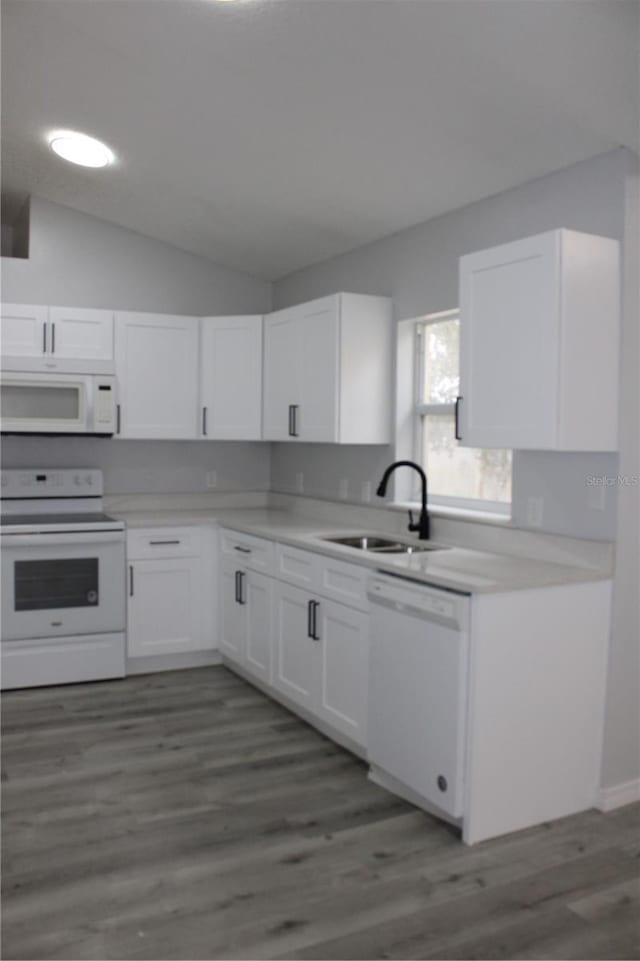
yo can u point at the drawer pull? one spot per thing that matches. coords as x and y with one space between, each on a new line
243 550
163 543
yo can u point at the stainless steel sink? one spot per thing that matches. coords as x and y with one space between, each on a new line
381 545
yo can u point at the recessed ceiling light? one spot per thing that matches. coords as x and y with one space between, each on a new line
78 148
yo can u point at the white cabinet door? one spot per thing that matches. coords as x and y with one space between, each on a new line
231 378
156 367
259 608
509 344
319 365
281 403
164 606
233 627
537 318
297 658
23 331
81 334
344 641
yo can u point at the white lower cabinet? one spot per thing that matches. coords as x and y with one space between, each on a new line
321 656
344 645
246 618
171 589
232 619
289 631
164 606
297 662
259 615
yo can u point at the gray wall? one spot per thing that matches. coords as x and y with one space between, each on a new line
418 268
80 261
77 260
146 466
622 730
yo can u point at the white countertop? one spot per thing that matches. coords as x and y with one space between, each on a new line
457 568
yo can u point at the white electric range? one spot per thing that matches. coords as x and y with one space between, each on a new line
63 579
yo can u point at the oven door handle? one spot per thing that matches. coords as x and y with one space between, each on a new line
80 538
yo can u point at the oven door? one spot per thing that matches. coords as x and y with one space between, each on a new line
56 585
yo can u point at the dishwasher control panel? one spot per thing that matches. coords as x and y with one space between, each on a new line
420 600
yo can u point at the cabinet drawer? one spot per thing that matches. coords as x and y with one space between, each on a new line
345 583
164 542
255 553
297 567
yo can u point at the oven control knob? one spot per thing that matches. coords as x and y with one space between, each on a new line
77 480
89 480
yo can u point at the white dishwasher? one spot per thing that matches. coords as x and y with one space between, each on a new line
418 691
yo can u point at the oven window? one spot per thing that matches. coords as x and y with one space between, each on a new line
35 402
45 585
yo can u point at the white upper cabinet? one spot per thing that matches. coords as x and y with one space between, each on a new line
62 339
81 334
281 374
327 371
539 326
23 331
231 378
156 369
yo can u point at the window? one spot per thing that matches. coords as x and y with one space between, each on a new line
458 476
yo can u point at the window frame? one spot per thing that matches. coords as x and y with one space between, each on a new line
422 409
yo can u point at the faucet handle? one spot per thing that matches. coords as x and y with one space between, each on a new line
412 524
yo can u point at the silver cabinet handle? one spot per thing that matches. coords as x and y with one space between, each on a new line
204 421
159 543
130 580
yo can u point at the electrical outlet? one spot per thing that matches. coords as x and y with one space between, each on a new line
343 489
211 479
300 482
366 491
534 511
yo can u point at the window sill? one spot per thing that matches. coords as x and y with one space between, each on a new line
457 513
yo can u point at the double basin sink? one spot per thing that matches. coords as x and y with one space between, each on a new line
382 545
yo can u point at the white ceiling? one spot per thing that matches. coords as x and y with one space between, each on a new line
269 134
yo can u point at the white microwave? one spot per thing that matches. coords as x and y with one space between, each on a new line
57 404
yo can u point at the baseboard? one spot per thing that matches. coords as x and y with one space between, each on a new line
610 798
172 662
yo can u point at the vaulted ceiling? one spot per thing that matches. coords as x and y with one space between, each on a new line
270 134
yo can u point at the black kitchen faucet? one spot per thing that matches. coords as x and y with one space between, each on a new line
423 522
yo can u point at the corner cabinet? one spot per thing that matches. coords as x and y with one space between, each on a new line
328 371
157 374
231 378
539 328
